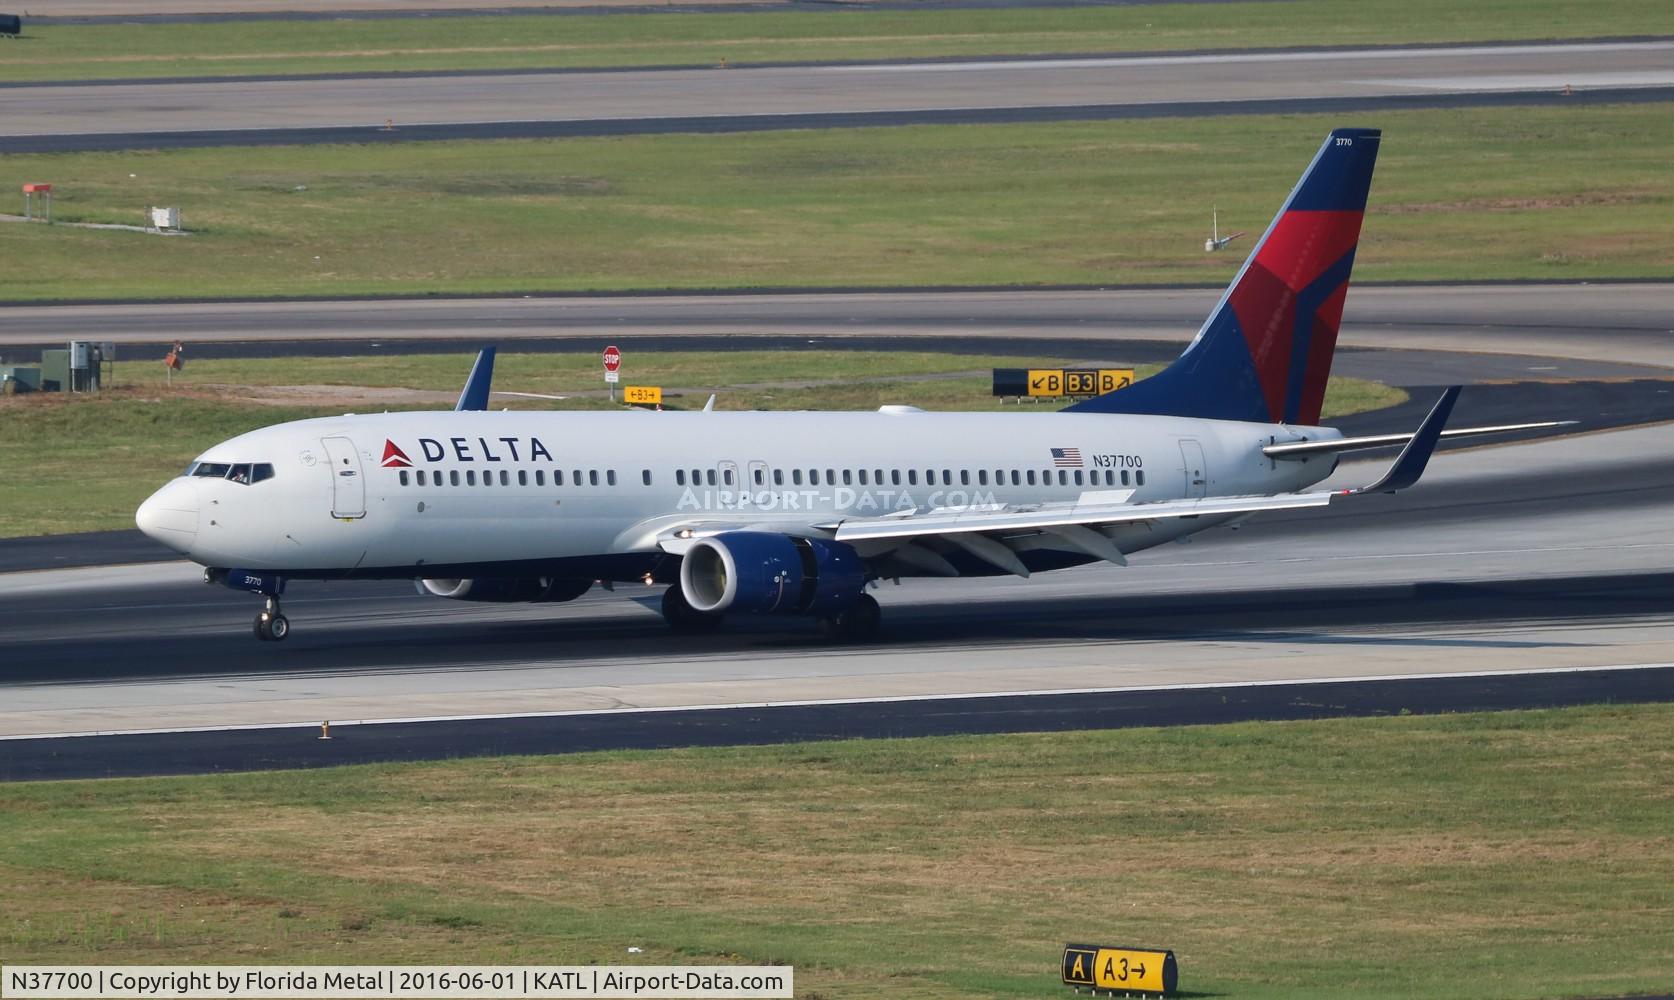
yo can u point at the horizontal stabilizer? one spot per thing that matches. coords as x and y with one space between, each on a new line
1307 449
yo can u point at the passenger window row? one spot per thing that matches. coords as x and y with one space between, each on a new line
725 476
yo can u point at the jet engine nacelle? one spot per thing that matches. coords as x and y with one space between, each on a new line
506 590
764 574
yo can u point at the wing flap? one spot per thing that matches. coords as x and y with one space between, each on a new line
988 522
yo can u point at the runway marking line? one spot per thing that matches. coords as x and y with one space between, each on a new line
885 700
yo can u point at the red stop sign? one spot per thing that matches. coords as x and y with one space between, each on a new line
612 358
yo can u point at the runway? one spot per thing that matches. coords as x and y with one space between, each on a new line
61 117
1629 324
1551 555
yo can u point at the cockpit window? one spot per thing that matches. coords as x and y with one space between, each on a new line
241 472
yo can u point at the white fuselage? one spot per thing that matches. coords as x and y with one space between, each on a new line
426 494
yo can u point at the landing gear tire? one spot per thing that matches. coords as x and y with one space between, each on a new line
271 626
682 617
858 624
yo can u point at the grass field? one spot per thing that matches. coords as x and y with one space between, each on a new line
1522 854
110 452
281 47
1544 193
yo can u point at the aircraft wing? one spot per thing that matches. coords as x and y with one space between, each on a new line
990 533
1049 517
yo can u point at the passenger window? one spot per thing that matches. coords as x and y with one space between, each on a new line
403 477
1063 477
592 477
453 476
420 478
796 477
1031 477
679 477
645 476
863 477
505 478
813 477
709 476
982 477
470 477
488 477
759 475
522 477
726 476
912 477
848 477
947 477
557 477
778 477
1124 477
610 477
1139 478
964 477
436 478
575 480
895 477
831 477
540 477
877 476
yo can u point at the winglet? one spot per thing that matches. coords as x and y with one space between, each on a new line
1409 465
475 394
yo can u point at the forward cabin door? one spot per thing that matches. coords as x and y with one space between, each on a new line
1197 472
348 486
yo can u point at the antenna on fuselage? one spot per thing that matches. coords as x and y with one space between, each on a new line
709 407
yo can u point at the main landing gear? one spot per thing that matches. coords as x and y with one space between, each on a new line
858 624
271 626
682 617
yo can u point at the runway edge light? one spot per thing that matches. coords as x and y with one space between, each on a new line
1103 969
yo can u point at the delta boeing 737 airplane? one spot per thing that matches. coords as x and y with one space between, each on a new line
800 513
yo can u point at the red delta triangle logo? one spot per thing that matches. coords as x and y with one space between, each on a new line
394 457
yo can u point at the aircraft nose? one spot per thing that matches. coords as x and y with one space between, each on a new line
170 515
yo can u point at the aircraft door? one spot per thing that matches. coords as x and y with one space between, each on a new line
758 484
1197 471
731 484
348 486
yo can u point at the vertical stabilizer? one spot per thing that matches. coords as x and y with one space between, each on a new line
1265 352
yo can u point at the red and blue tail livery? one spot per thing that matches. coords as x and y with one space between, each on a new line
1264 354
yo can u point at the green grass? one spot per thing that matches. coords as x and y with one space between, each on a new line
1458 194
1521 854
281 47
92 460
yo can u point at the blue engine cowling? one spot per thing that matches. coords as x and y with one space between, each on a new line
505 590
762 574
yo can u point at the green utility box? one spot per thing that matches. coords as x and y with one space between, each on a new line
55 371
23 379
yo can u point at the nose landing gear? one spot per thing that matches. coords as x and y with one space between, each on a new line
271 626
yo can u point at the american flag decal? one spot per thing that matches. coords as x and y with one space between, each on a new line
1066 458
